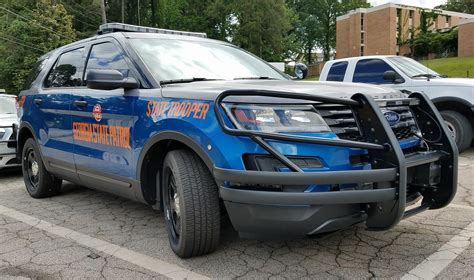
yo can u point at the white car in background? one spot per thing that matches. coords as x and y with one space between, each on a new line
8 124
454 97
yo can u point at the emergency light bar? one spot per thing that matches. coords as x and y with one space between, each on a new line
121 27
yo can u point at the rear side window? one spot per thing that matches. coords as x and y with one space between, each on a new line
371 71
107 56
337 71
68 70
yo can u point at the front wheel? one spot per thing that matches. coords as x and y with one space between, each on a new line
460 128
39 182
191 204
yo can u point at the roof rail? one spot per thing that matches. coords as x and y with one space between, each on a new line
121 27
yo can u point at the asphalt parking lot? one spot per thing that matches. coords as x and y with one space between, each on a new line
84 234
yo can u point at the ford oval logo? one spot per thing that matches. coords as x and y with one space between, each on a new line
392 117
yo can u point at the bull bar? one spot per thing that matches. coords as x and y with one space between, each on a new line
385 204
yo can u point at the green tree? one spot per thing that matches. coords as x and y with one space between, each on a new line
462 6
29 29
86 16
262 27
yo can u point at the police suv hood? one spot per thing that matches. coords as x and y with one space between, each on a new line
211 89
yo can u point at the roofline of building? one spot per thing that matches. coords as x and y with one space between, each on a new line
466 21
394 5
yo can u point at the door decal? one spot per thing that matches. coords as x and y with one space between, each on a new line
97 112
117 136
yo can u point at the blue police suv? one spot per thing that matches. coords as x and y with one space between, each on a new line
200 129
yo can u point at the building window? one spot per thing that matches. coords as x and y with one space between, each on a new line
446 23
362 22
410 18
361 50
361 38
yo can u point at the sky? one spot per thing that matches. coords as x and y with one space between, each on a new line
418 3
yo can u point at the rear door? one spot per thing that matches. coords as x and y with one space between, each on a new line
54 122
102 125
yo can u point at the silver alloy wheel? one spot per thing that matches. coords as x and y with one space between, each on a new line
34 168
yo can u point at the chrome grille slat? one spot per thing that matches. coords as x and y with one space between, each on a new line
341 120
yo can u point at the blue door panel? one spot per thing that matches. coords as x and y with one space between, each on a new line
102 141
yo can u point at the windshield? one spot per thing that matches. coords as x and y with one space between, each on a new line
412 68
7 105
186 59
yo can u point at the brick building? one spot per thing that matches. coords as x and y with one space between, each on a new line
377 30
466 38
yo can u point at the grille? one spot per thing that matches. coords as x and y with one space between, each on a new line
341 120
404 129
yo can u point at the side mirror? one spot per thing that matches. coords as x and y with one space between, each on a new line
109 79
301 71
393 77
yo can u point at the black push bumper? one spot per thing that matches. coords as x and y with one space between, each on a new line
430 174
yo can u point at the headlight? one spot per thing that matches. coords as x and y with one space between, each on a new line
276 118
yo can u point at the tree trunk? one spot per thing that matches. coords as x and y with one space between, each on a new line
308 54
154 21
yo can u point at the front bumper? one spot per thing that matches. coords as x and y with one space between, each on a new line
8 144
430 174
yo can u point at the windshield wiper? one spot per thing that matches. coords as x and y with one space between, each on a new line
429 76
254 78
190 80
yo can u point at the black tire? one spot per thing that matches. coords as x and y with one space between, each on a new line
193 229
461 127
39 182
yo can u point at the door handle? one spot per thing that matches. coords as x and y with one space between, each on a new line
80 103
38 101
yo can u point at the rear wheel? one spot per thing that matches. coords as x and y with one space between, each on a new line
39 182
191 204
460 127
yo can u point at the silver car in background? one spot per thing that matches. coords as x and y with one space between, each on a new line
8 125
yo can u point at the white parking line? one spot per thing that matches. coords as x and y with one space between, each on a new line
438 261
164 268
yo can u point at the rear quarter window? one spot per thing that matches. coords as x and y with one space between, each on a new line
35 71
337 71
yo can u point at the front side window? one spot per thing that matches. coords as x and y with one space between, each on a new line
337 71
370 71
68 70
188 59
107 56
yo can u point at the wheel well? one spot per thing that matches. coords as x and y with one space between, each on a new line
457 107
24 134
153 163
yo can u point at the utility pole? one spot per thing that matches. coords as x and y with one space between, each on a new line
102 8
123 11
138 8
